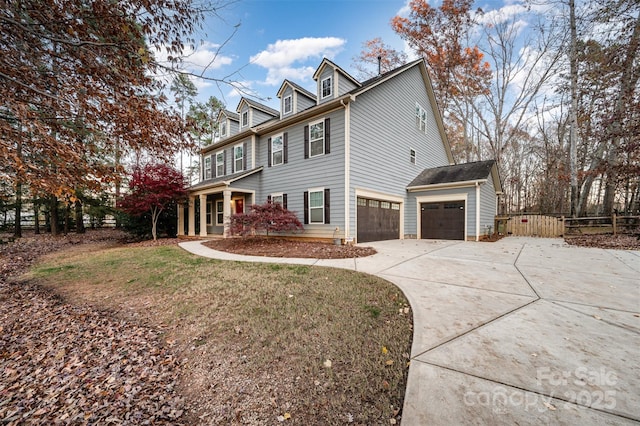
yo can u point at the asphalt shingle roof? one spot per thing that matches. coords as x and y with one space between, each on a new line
456 173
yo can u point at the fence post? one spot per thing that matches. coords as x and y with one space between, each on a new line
614 222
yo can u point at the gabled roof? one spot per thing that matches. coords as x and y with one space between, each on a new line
257 105
225 180
458 173
230 114
296 88
326 62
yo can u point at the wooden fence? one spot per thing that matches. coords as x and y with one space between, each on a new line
533 225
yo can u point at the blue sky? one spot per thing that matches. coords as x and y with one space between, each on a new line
280 39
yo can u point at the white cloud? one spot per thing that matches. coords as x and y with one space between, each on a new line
404 10
287 58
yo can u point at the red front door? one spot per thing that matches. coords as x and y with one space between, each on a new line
239 205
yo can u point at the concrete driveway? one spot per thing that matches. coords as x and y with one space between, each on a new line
521 331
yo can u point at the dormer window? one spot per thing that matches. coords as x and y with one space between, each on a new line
288 104
223 129
325 87
245 118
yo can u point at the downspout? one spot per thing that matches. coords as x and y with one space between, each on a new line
477 211
347 166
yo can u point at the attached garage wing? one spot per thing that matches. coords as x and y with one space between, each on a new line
377 220
442 220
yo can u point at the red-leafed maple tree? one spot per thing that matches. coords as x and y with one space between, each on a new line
152 189
268 217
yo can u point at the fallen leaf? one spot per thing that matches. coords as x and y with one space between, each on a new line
389 362
384 350
550 406
597 317
287 416
327 363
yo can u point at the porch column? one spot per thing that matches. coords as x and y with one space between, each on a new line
226 209
203 215
192 216
180 219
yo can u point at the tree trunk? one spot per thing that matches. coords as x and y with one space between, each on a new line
53 215
573 129
80 229
67 218
36 217
18 217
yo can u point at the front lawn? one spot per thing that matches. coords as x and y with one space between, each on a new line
256 343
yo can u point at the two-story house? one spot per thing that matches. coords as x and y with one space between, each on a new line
362 161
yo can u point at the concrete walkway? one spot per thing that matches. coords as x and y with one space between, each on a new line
522 331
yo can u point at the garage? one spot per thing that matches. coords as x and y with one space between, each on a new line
442 220
377 220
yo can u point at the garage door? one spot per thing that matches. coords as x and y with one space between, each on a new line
442 221
378 220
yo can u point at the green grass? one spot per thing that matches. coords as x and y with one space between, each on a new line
264 312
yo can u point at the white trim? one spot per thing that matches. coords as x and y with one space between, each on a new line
324 134
253 151
284 105
242 125
281 136
331 80
347 169
234 159
437 199
376 195
321 190
277 194
477 212
438 186
215 156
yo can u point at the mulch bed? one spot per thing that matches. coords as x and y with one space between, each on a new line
279 247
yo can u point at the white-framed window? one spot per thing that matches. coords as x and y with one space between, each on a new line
316 205
223 129
245 118
220 163
288 104
316 138
207 167
238 158
325 87
209 212
219 212
277 150
421 118
412 155
278 198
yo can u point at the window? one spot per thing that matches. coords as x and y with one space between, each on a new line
278 199
316 139
245 118
421 118
412 156
209 213
316 207
325 87
288 104
220 213
220 163
238 158
207 167
277 151
223 129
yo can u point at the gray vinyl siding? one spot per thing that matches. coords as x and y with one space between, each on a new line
345 85
303 102
258 117
299 174
487 205
383 130
234 128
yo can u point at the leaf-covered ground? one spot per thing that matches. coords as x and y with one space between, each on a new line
66 364
606 241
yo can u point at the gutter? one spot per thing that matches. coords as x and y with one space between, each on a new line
445 185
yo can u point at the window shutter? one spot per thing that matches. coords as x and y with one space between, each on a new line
233 160
306 141
269 152
327 133
268 198
327 215
306 207
285 148
224 162
284 201
244 156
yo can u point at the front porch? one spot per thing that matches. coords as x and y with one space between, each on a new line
208 212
